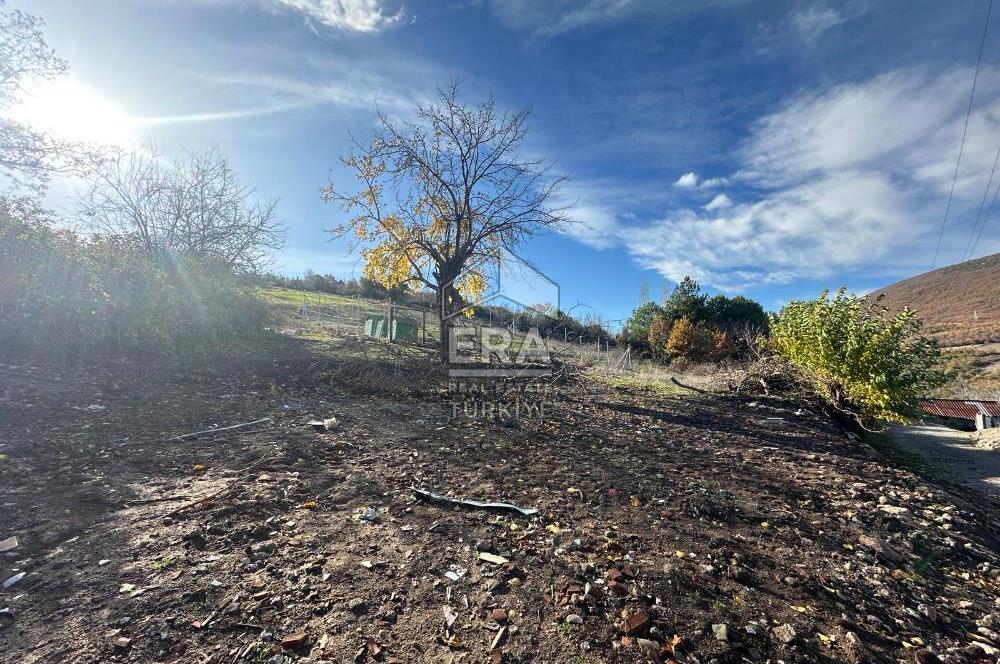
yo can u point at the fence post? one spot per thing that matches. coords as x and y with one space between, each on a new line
423 326
392 313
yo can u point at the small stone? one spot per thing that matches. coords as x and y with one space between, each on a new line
901 513
357 606
635 623
293 640
854 649
928 611
721 632
882 549
651 649
122 643
574 619
498 639
12 580
499 616
492 558
785 633
926 657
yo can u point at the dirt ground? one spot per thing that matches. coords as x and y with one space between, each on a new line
694 529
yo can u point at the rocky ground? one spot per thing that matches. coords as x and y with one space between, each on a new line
692 529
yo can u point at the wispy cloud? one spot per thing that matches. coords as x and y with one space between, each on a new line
714 183
355 15
837 181
813 21
558 16
546 18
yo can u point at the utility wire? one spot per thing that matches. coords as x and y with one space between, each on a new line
986 220
982 204
965 131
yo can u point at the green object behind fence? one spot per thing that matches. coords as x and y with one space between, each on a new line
404 329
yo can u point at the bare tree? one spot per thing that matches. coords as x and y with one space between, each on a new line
28 156
197 207
444 195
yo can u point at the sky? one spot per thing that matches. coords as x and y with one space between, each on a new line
771 149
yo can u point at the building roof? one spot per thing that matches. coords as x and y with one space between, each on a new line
958 408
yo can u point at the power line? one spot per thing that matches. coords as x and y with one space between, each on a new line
965 131
982 204
986 220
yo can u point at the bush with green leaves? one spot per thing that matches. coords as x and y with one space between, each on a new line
67 297
860 357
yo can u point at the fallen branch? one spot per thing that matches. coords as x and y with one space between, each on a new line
688 387
229 428
204 499
473 504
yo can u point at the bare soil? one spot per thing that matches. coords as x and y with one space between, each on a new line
748 530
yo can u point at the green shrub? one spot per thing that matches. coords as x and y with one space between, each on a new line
861 359
67 296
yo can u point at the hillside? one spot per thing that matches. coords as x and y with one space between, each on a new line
959 304
960 307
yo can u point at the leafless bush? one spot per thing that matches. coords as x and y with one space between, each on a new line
765 375
197 207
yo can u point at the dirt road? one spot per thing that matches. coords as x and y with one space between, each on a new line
953 454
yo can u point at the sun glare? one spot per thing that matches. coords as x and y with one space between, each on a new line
74 111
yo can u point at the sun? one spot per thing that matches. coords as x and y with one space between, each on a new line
74 111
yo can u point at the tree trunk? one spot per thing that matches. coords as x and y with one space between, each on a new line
443 340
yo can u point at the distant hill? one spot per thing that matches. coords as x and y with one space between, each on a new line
959 304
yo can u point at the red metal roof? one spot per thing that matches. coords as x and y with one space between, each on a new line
963 409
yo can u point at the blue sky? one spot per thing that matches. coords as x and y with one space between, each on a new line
766 148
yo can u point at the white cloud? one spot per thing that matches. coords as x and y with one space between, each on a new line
712 183
840 182
356 15
687 181
811 22
593 222
719 202
543 18
553 17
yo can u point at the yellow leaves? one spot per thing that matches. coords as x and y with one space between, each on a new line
472 285
387 264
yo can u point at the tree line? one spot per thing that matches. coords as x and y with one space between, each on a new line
691 325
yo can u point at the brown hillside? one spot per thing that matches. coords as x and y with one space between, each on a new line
959 304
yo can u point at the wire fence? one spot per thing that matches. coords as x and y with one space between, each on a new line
415 322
